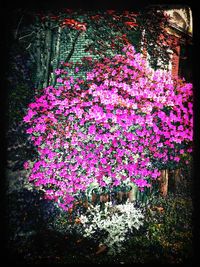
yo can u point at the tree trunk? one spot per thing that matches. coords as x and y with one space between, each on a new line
48 54
120 196
42 57
177 178
164 179
104 198
57 52
38 61
132 194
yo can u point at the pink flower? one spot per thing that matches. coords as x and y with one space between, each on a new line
29 116
140 148
38 141
103 160
160 145
92 129
57 72
116 183
76 70
155 174
26 165
29 131
177 159
180 128
141 183
85 129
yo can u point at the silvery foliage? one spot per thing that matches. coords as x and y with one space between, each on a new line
115 222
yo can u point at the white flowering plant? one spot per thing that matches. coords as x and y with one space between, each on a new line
112 224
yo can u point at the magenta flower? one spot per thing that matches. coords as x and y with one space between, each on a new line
141 183
103 160
92 129
26 165
125 119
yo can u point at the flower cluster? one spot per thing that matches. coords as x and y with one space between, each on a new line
124 122
113 224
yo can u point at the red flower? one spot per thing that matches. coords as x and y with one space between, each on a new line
54 17
130 24
74 24
96 17
80 26
110 12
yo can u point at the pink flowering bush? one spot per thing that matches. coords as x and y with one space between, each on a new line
123 123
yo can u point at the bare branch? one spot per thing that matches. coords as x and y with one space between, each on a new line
28 46
18 25
73 47
29 34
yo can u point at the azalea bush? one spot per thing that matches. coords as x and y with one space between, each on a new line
120 124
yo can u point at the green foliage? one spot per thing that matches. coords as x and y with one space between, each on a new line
167 231
18 98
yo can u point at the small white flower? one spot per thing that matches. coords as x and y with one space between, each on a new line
116 221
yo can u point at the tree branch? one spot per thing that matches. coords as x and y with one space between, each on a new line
73 47
17 29
29 34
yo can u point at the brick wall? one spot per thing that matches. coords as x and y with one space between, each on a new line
175 62
83 40
79 51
